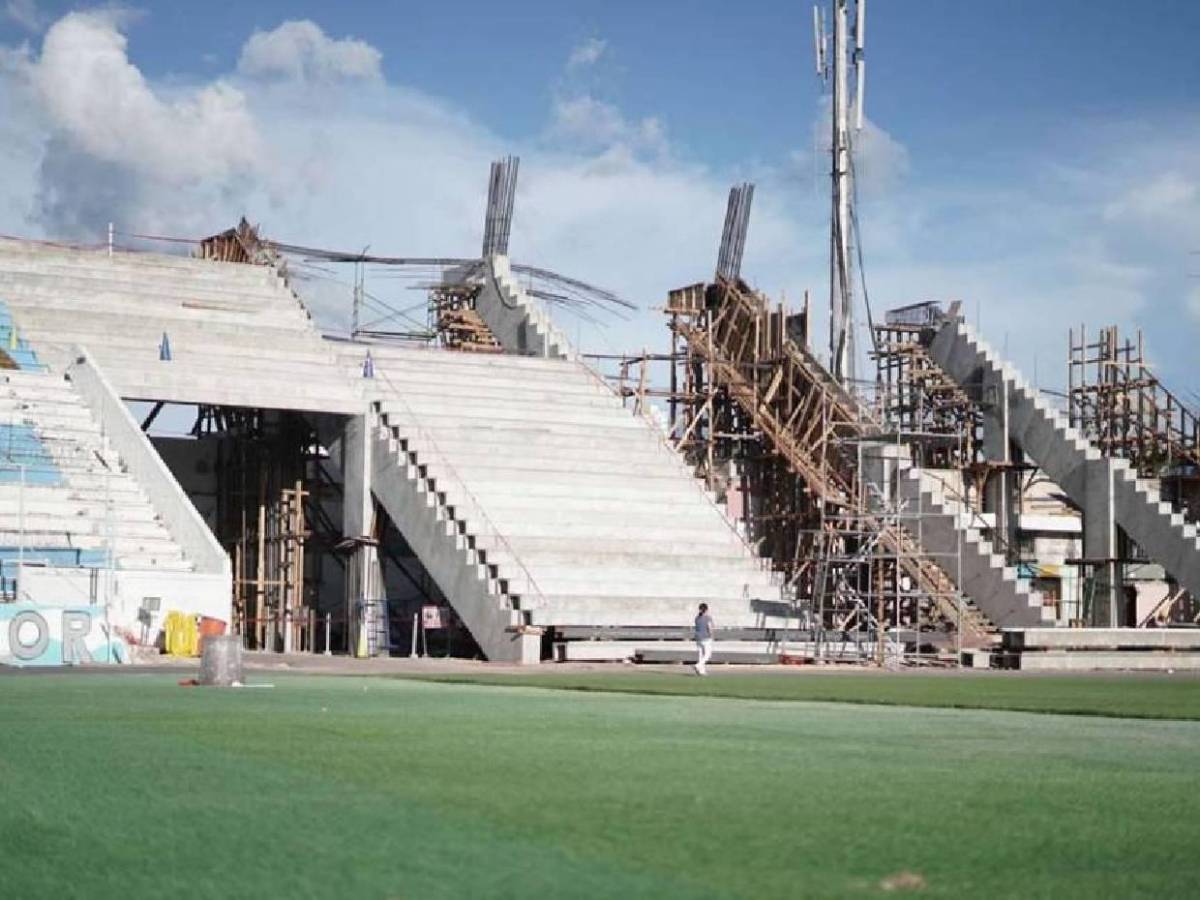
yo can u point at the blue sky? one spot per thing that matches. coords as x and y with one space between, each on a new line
1036 159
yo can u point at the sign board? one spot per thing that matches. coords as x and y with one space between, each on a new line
431 617
35 635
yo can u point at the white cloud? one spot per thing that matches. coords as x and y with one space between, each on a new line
1193 303
880 161
590 124
586 54
1165 194
25 13
110 138
602 196
300 51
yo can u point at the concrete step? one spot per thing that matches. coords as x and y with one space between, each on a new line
601 612
520 433
583 470
37 316
623 554
1102 660
159 545
53 334
433 391
425 357
82 525
146 264
468 412
555 548
516 512
464 445
93 291
644 583
464 380
138 269
681 650
298 356
663 492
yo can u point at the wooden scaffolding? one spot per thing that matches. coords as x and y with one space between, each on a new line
1119 404
755 411
265 495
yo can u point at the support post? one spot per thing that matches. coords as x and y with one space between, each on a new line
1000 487
364 578
1100 542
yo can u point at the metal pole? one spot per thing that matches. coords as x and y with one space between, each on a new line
20 534
358 298
328 649
841 307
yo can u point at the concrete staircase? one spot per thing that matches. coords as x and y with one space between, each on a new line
1067 458
946 525
65 497
238 336
519 321
537 501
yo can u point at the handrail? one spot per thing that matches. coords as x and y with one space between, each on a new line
445 460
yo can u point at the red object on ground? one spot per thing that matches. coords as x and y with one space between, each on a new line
210 627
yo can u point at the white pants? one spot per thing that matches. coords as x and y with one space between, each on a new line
703 654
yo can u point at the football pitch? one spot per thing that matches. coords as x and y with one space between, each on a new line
131 786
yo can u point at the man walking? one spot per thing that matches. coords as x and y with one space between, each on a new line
703 633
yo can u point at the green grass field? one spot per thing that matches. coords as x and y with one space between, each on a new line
131 786
1148 696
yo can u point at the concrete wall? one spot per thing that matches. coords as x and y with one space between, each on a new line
191 593
56 635
142 461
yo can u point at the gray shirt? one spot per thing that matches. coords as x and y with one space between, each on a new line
704 627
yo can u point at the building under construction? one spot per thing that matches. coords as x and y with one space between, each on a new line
482 489
464 481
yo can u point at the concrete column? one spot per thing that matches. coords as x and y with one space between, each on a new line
1002 486
364 576
1100 541
994 403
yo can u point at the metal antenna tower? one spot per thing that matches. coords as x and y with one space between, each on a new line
841 294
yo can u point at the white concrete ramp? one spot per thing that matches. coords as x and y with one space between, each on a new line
537 501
